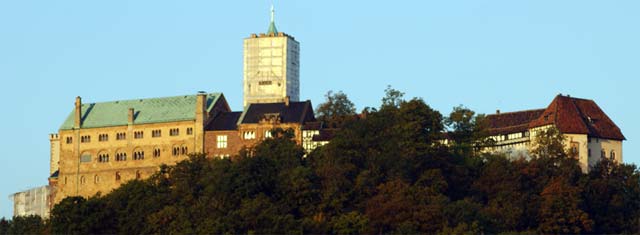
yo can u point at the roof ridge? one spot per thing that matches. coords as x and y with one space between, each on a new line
521 111
574 98
153 98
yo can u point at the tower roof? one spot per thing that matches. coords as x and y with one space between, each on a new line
272 24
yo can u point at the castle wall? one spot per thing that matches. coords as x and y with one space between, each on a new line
83 173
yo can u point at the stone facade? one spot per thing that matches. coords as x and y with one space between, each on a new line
98 159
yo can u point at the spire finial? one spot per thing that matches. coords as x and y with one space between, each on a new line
273 13
272 24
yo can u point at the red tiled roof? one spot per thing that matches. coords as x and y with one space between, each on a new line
578 116
512 122
569 115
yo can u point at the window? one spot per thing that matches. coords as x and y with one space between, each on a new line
83 180
121 136
574 149
156 152
138 134
118 177
184 150
263 83
85 139
156 133
103 157
96 179
222 156
189 131
221 141
249 135
103 137
138 155
267 134
138 175
174 132
121 156
603 153
176 151
69 140
613 155
85 157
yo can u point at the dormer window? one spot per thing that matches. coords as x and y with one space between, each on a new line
270 118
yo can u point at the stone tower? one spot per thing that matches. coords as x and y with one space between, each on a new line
271 67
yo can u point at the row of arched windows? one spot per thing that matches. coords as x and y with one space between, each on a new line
182 150
139 154
603 154
97 179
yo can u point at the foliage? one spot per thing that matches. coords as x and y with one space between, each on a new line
467 131
386 173
336 110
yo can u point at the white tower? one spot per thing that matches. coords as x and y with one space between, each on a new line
271 67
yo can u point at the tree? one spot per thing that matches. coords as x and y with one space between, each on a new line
4 226
612 197
549 143
336 110
351 223
392 98
560 212
30 224
467 130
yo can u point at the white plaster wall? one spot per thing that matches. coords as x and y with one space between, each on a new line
583 155
597 145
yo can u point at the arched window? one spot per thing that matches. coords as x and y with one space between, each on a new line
176 151
121 156
184 150
613 155
138 154
82 180
603 153
96 179
138 175
118 177
103 157
156 152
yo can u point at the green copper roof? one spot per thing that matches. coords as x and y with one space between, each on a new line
152 110
272 28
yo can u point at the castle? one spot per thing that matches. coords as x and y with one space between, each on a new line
103 145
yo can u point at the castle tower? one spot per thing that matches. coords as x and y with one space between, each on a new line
271 67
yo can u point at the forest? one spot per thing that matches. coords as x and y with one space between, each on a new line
386 171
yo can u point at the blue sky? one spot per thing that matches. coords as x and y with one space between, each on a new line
487 55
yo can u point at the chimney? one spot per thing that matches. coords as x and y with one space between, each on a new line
201 103
78 114
498 111
286 101
132 113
